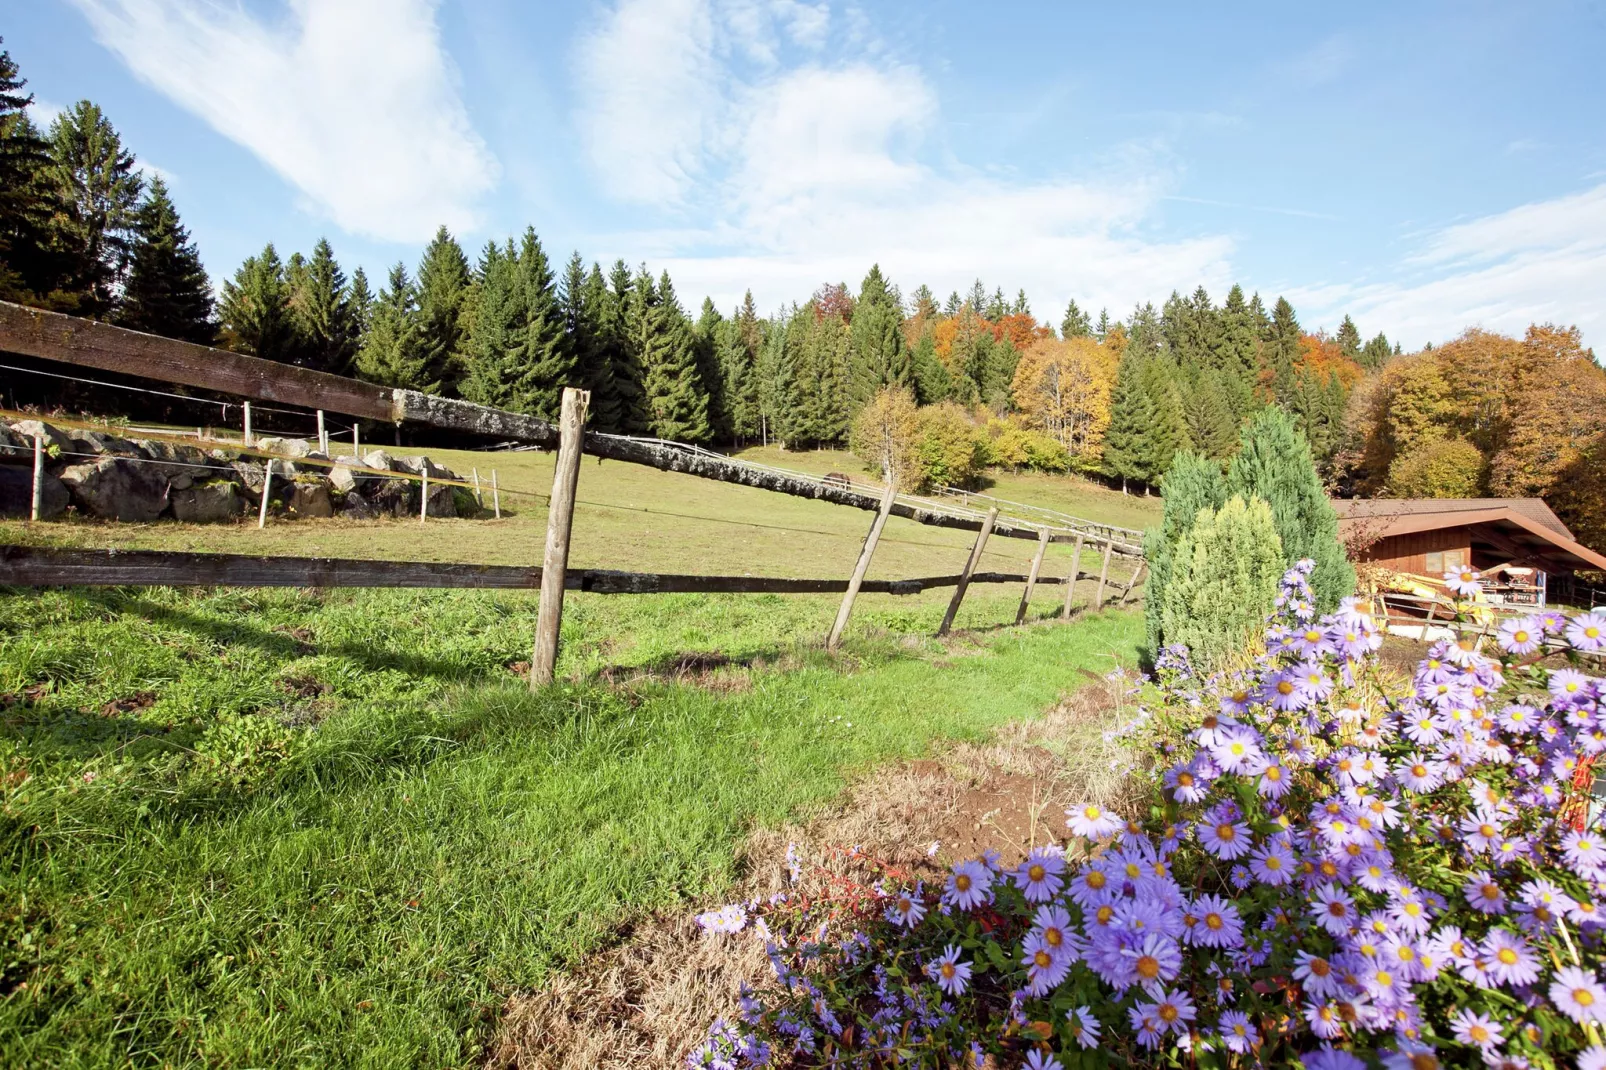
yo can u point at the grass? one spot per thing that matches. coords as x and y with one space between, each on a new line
331 828
637 518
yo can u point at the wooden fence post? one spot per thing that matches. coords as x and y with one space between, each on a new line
1076 568
248 423
970 567
559 524
496 496
1031 578
859 570
1104 573
478 497
423 495
356 450
38 476
1132 583
323 436
267 486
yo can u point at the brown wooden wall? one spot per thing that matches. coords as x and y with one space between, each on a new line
1408 553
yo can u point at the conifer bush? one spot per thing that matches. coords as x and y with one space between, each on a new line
1223 581
1192 484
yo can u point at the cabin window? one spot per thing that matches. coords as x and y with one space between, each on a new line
1440 561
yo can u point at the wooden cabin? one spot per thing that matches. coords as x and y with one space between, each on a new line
1522 548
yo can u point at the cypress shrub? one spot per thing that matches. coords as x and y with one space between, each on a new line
1192 484
1274 464
1223 581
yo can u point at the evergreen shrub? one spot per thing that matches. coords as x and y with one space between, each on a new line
1223 581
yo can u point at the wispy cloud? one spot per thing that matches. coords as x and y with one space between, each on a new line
806 157
353 102
1538 262
1300 212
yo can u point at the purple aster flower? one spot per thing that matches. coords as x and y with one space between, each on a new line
1238 750
1485 896
1273 864
1084 1027
1521 636
1481 832
1418 774
1237 1033
1044 968
1284 693
1155 960
1216 923
1041 876
1510 960
1091 887
1465 581
1036 1059
1225 839
1333 909
1172 1010
1591 1058
1186 785
1584 849
1331 1059
906 909
1324 1019
1092 822
1274 781
1476 1030
1578 994
1587 632
969 885
1053 924
950 974
1569 684
1519 719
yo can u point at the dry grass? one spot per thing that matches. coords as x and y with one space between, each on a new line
647 999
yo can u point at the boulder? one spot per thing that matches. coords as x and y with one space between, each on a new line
82 441
442 501
14 449
344 480
251 473
384 462
27 429
286 447
310 499
356 507
208 503
118 488
397 497
16 494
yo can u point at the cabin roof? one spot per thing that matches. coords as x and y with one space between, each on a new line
1524 529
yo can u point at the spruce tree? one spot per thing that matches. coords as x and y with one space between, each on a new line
442 287
167 292
676 404
256 309
1212 431
585 307
1102 330
98 192
1281 353
1349 339
1169 431
1236 344
1274 463
542 357
1128 446
360 305
1192 483
320 305
1377 353
492 370
705 347
1144 335
880 356
30 268
740 346
931 379
393 352
1076 323
615 322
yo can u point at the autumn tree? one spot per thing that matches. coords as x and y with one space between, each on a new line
886 436
1063 388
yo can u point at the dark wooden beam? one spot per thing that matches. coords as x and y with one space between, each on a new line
31 566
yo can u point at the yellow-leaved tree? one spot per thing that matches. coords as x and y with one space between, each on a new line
1062 387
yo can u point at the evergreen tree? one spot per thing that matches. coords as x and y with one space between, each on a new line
30 269
1236 345
953 306
1212 431
739 348
1169 432
1076 323
932 381
584 297
1349 339
1281 352
677 407
443 279
541 354
1223 582
1021 307
614 323
98 194
167 292
1192 483
1102 330
256 309
393 352
998 375
977 298
359 304
1274 464
880 357
773 373
705 347
492 370
1144 336
1377 353
1128 446
321 308
922 304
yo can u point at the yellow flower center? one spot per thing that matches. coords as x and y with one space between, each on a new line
1096 879
1507 956
1148 967
1490 891
948 970
1053 937
1036 873
1284 687
1583 997
1042 960
1226 832
1168 1012
962 882
1091 813
1520 635
1274 773
1213 921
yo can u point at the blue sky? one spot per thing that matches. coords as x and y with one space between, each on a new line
1424 167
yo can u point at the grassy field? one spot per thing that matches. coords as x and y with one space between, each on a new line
287 827
631 517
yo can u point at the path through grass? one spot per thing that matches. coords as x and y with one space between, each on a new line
331 828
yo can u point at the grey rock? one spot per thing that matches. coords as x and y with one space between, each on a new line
82 441
208 503
356 507
118 488
397 497
343 479
384 462
251 474
310 500
14 449
27 429
16 494
442 501
288 447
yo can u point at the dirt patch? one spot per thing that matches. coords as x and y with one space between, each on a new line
303 687
140 700
646 1000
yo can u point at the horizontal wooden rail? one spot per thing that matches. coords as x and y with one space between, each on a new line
30 566
89 343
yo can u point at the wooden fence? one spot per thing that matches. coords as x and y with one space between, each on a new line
87 343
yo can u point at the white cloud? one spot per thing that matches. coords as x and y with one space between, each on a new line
800 169
352 101
43 112
1538 262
